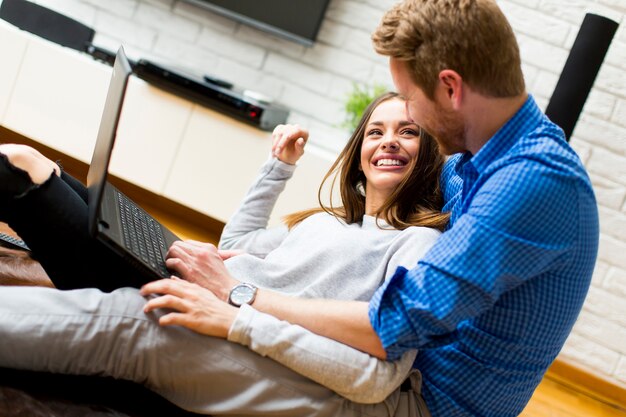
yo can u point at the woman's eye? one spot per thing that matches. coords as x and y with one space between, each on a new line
410 132
374 132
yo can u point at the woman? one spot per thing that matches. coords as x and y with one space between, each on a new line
388 173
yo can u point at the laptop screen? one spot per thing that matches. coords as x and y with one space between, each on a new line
97 175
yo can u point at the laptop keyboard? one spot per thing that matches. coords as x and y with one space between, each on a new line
142 234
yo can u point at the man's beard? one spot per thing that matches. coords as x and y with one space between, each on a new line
448 129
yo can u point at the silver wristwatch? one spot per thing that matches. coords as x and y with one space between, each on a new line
242 294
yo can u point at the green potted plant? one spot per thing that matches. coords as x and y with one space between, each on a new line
358 100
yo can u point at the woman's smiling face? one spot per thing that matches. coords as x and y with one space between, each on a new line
390 147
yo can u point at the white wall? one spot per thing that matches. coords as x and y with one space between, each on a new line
314 81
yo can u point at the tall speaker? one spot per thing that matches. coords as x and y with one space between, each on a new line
580 71
47 23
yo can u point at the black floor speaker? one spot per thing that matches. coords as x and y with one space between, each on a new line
580 71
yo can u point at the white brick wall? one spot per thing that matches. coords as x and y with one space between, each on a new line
314 81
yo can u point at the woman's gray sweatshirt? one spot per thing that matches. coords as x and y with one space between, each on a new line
321 257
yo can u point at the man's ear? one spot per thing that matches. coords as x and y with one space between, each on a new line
451 85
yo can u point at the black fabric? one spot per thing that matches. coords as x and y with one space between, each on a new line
28 394
52 219
16 182
406 385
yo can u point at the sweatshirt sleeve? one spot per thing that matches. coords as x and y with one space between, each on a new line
247 228
350 373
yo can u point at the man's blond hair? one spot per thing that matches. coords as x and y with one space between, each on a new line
471 37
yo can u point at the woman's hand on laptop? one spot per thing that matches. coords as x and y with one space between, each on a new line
201 264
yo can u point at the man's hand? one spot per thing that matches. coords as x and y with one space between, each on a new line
194 307
201 264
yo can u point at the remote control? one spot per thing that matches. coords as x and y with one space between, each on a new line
12 242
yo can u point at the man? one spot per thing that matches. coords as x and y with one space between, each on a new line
490 306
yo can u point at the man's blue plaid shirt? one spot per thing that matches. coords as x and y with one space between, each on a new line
491 304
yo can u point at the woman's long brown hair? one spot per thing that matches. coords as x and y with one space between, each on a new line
417 201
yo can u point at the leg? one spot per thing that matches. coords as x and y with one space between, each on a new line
48 209
93 333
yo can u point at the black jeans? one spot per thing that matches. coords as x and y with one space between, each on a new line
52 219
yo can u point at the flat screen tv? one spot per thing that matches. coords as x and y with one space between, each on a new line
297 20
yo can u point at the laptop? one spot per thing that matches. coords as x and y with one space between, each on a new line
114 219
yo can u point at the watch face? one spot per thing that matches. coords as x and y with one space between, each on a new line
242 294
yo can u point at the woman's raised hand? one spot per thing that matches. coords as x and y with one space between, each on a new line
288 142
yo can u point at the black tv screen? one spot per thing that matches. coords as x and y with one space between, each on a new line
297 20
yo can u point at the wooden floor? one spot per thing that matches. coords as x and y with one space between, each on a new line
554 399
